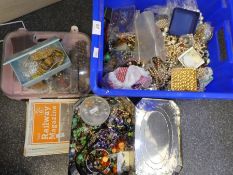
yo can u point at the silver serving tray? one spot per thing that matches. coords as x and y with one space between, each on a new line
157 138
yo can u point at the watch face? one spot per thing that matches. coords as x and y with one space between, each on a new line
157 139
94 110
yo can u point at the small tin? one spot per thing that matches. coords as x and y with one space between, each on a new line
39 62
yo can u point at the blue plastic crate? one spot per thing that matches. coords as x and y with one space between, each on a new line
218 12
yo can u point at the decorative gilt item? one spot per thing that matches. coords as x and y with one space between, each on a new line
184 79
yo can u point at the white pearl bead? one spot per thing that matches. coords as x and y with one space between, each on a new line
72 150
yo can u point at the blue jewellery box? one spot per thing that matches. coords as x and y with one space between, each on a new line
39 62
183 22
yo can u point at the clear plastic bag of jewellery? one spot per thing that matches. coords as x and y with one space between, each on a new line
171 4
186 4
149 38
